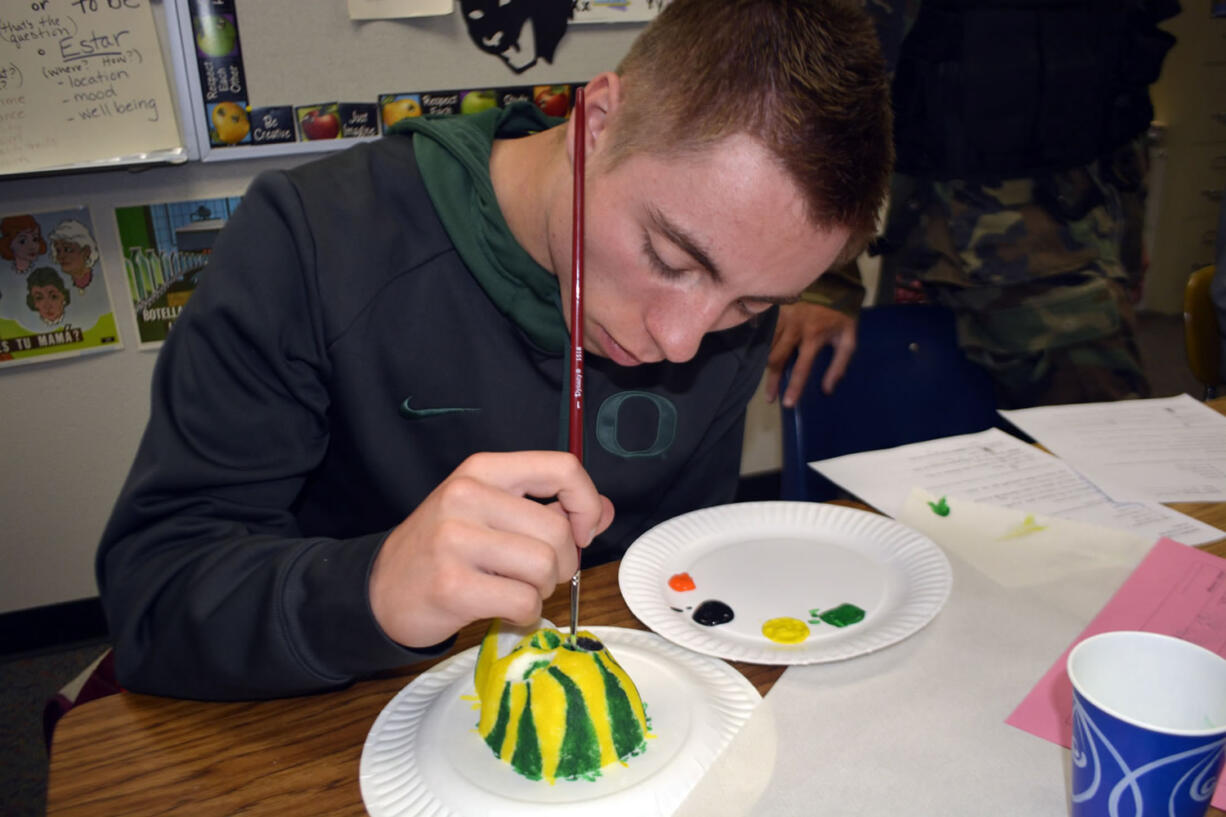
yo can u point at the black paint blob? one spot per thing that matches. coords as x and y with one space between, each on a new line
588 644
712 612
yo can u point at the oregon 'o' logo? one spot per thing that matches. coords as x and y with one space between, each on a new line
613 409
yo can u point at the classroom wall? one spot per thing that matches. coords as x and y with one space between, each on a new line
72 426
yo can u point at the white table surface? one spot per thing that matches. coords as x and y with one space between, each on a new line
919 727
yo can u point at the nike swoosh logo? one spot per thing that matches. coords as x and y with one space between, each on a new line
411 413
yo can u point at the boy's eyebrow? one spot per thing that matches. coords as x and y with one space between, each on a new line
691 246
686 242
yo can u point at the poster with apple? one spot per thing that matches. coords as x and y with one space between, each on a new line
165 249
553 100
220 65
320 121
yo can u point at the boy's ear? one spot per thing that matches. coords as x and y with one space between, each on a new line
602 97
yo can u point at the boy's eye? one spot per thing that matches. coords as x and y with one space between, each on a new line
656 262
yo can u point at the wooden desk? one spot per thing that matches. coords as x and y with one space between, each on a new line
137 755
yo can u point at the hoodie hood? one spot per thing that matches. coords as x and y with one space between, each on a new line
453 154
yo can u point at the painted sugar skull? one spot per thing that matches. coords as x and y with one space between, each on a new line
555 708
517 31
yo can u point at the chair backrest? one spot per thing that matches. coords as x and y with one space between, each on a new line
1200 331
907 382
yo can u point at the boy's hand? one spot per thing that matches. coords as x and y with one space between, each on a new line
480 546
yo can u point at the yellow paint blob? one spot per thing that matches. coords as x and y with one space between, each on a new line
1024 528
786 630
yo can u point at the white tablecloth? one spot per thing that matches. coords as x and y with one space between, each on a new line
917 729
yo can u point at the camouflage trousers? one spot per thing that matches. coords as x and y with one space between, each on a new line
1037 272
1066 340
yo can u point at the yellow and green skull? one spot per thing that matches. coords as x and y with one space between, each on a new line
553 707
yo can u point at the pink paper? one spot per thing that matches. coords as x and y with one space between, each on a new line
1176 590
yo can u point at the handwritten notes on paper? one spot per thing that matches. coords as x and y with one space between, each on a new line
82 83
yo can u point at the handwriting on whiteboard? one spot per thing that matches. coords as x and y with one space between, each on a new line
80 82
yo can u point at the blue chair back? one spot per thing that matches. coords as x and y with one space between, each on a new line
907 382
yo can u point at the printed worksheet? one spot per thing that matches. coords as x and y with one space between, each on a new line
1169 449
995 468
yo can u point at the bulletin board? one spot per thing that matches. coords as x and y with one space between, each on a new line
282 76
83 84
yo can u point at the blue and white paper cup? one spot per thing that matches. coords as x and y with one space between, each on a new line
1149 725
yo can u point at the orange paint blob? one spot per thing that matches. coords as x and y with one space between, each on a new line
681 582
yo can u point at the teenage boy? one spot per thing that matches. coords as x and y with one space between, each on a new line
358 431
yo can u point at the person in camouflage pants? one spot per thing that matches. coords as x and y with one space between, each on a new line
1041 269
1041 272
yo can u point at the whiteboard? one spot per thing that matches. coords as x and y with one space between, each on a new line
83 84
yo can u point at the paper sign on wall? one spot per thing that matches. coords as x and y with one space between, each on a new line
389 9
617 11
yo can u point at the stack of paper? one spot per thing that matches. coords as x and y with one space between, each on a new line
1171 449
993 468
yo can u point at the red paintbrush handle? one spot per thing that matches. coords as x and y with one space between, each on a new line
576 283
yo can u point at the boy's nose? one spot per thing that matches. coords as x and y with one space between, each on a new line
679 327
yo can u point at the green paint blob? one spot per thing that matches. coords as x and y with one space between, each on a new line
546 640
843 615
940 507
526 759
627 736
580 748
499 733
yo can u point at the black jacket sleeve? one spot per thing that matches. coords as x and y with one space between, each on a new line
210 589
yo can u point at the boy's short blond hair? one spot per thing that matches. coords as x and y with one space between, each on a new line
806 77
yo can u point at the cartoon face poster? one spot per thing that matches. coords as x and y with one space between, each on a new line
165 247
53 296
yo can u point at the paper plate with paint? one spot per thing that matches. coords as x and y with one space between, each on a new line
424 756
784 582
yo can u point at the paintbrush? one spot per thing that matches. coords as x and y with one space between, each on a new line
576 323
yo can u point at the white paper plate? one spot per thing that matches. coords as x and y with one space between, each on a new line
423 755
767 560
